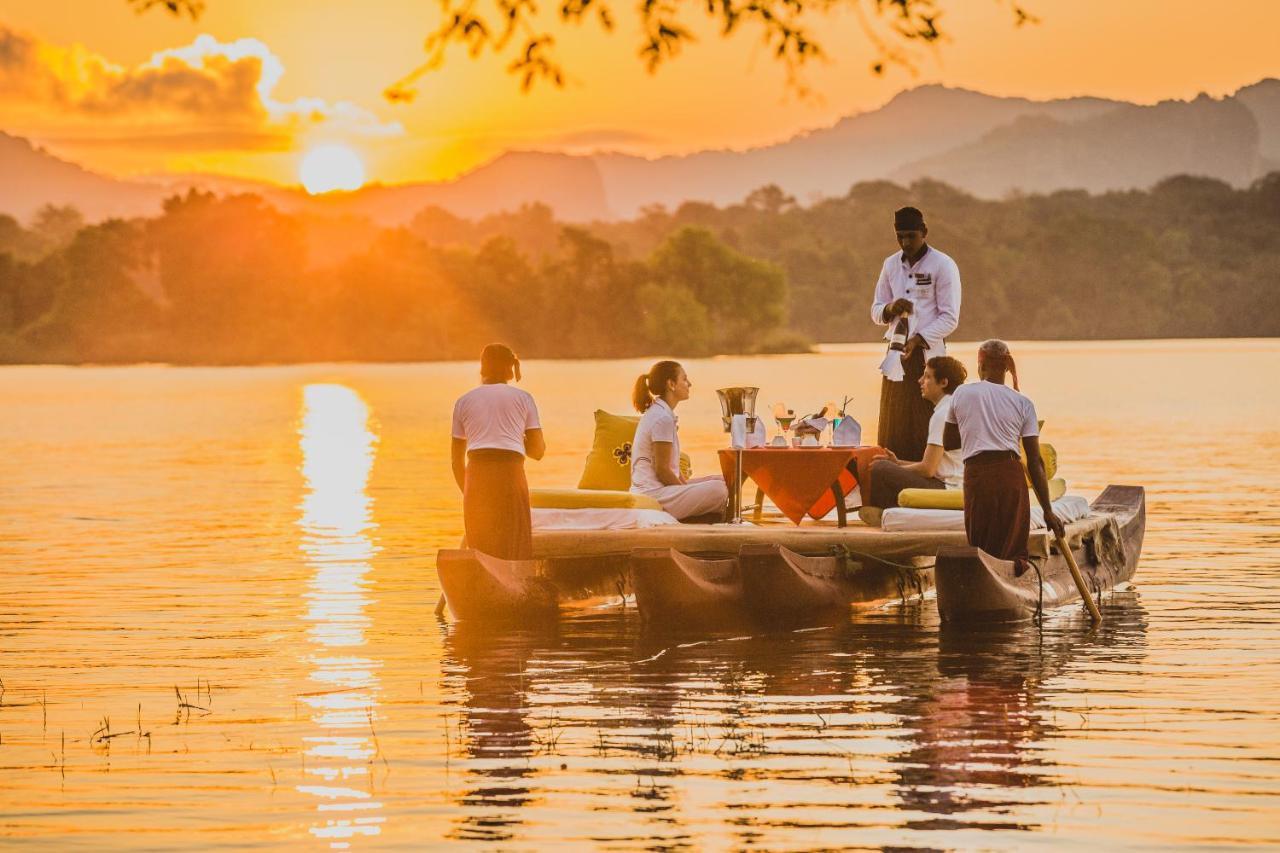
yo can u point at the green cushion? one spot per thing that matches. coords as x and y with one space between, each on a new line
609 462
954 498
589 499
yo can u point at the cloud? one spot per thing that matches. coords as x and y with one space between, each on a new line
207 85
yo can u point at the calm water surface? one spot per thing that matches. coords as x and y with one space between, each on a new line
216 589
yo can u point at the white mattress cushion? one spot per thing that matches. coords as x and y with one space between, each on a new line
599 519
1068 507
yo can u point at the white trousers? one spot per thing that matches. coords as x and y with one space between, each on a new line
699 496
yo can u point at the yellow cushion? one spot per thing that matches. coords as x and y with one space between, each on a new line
1048 454
609 462
954 498
589 499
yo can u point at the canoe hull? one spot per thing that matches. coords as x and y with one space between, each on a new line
973 586
478 587
672 588
782 584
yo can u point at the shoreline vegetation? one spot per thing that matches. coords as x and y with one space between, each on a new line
232 280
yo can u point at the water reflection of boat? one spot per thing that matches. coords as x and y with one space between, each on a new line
974 586
936 729
489 668
978 721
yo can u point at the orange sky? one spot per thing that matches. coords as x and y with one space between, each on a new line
86 83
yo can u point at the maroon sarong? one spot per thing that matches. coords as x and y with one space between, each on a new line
904 414
495 505
997 509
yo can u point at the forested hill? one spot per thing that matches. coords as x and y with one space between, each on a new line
233 280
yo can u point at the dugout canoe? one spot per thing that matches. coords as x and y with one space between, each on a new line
973 586
766 584
672 588
784 585
478 587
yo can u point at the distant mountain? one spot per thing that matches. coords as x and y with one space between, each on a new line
1263 100
984 144
569 185
1130 147
31 177
917 123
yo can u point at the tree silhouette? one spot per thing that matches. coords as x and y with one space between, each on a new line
517 33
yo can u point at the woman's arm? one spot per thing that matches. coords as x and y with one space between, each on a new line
459 458
668 474
535 446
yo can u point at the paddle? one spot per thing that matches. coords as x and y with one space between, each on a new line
1094 613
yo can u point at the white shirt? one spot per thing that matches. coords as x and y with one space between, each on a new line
991 417
495 417
951 468
657 424
932 286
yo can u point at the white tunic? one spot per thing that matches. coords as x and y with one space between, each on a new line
932 286
495 417
657 424
991 417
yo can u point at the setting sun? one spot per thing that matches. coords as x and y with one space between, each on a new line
331 167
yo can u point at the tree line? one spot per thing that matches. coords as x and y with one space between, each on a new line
233 280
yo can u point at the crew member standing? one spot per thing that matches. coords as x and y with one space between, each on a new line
494 427
918 298
986 422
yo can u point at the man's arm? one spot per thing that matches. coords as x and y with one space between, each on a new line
883 299
951 436
928 466
458 452
946 294
1040 483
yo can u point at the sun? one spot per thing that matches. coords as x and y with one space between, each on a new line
330 167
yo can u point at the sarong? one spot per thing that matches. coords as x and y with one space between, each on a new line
889 479
495 505
997 508
904 413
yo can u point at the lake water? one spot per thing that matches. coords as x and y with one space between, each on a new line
216 593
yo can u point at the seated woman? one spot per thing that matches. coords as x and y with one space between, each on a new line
495 427
939 469
655 451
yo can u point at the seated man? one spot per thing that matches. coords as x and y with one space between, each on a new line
940 468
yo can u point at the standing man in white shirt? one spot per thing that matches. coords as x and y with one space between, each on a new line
918 298
986 423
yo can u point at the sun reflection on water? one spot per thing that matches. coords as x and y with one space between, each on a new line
336 521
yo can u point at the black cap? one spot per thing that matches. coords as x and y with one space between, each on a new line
908 219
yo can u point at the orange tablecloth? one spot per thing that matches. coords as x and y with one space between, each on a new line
794 478
865 456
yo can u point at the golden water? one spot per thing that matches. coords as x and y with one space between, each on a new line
216 589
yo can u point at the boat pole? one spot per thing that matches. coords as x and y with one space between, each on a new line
1094 613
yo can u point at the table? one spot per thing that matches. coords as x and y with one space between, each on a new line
803 480
860 476
793 477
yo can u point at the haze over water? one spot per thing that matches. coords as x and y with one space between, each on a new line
216 593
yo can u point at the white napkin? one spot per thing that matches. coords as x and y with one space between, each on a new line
848 433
